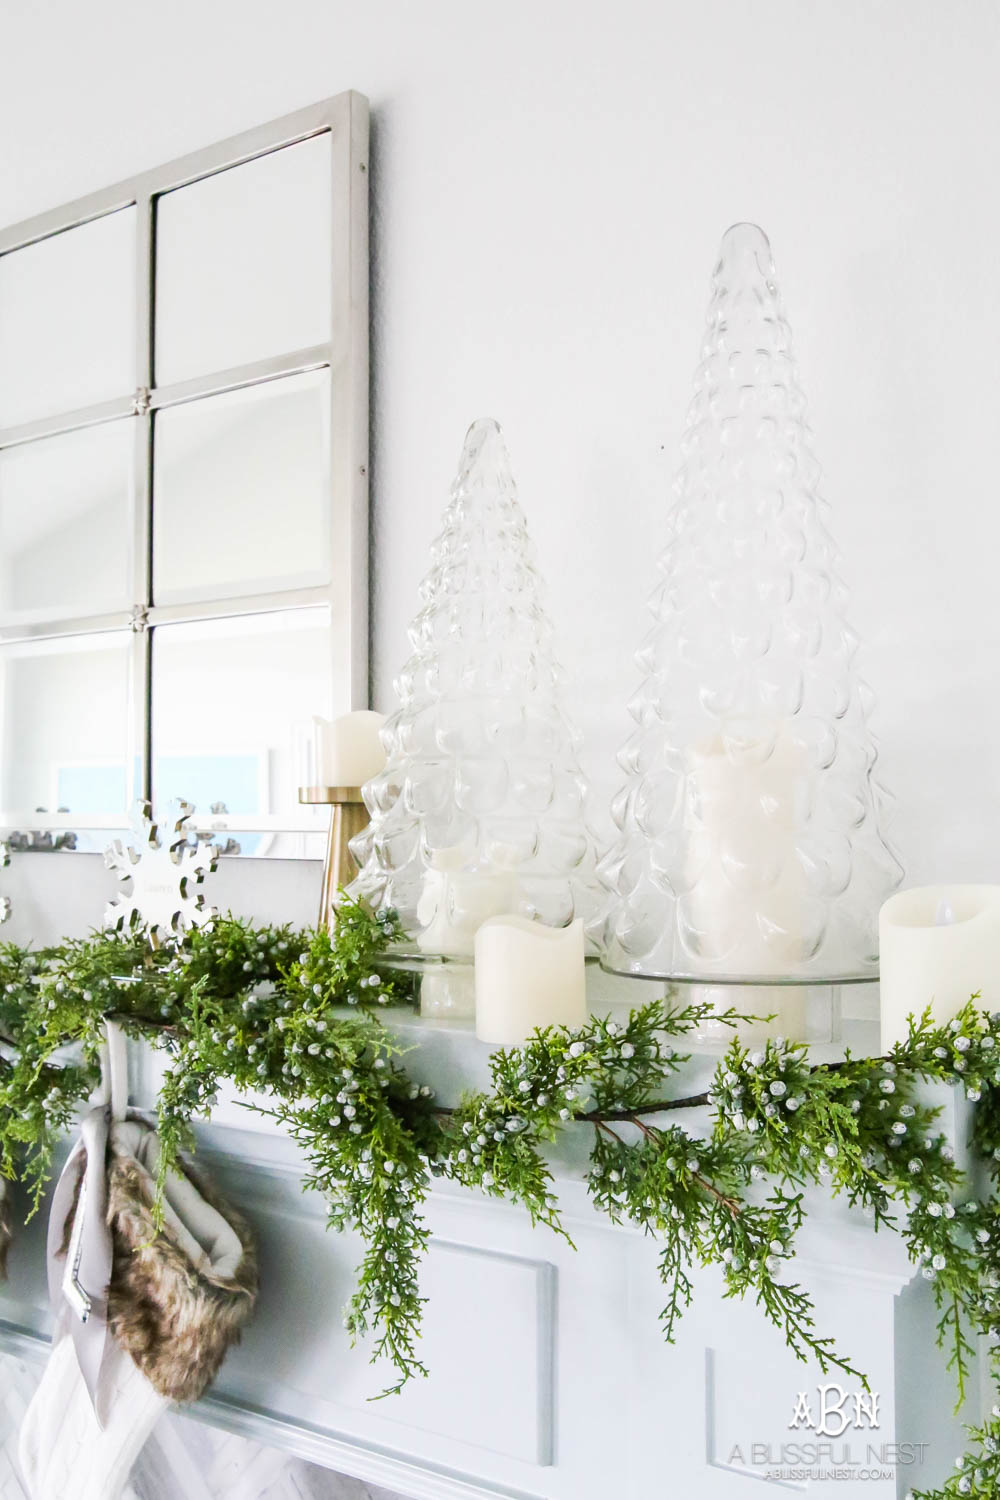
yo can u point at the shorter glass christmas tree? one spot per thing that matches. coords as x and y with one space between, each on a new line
750 847
480 808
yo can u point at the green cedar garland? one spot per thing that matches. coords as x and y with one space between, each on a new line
295 1016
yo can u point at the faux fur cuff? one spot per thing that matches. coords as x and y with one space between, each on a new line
179 1296
175 1317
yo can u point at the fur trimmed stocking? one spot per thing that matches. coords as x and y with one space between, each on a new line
143 1317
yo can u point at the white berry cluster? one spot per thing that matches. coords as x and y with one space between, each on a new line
753 1091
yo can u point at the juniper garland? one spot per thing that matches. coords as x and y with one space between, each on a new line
294 1021
264 1010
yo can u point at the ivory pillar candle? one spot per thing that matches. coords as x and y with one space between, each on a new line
348 750
745 913
939 944
746 906
527 975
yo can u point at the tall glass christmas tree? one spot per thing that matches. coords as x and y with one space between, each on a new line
750 847
480 809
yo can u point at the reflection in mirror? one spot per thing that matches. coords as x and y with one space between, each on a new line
65 730
241 490
243 263
183 435
230 698
65 524
67 320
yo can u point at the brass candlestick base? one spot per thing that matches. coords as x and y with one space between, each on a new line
348 816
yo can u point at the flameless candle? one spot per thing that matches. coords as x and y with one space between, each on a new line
939 945
746 909
349 750
527 975
747 902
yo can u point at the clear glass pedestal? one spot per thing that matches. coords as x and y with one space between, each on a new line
798 1012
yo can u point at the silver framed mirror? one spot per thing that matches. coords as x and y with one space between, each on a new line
184 487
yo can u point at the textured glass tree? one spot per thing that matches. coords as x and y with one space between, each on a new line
480 809
750 844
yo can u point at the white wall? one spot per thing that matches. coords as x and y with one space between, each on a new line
551 181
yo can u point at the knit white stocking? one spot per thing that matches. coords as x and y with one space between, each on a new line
64 1454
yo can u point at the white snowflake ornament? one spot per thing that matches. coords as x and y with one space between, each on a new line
159 876
4 862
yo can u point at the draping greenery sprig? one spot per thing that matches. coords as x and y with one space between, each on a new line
294 1021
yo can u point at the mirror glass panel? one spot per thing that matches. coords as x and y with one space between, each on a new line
243 263
231 699
241 486
66 524
67 320
64 706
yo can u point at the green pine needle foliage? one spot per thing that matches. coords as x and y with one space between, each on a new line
294 1021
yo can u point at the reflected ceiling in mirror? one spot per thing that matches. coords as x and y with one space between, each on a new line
227 245
67 320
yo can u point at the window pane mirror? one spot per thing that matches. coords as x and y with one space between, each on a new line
183 487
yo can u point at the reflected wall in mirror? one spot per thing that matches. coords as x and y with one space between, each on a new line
66 506
67 320
242 486
183 485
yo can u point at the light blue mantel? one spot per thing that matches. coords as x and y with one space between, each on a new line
549 1376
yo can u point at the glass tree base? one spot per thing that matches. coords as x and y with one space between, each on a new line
448 992
447 983
801 1009
797 1012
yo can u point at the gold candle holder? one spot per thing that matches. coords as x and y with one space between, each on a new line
348 816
